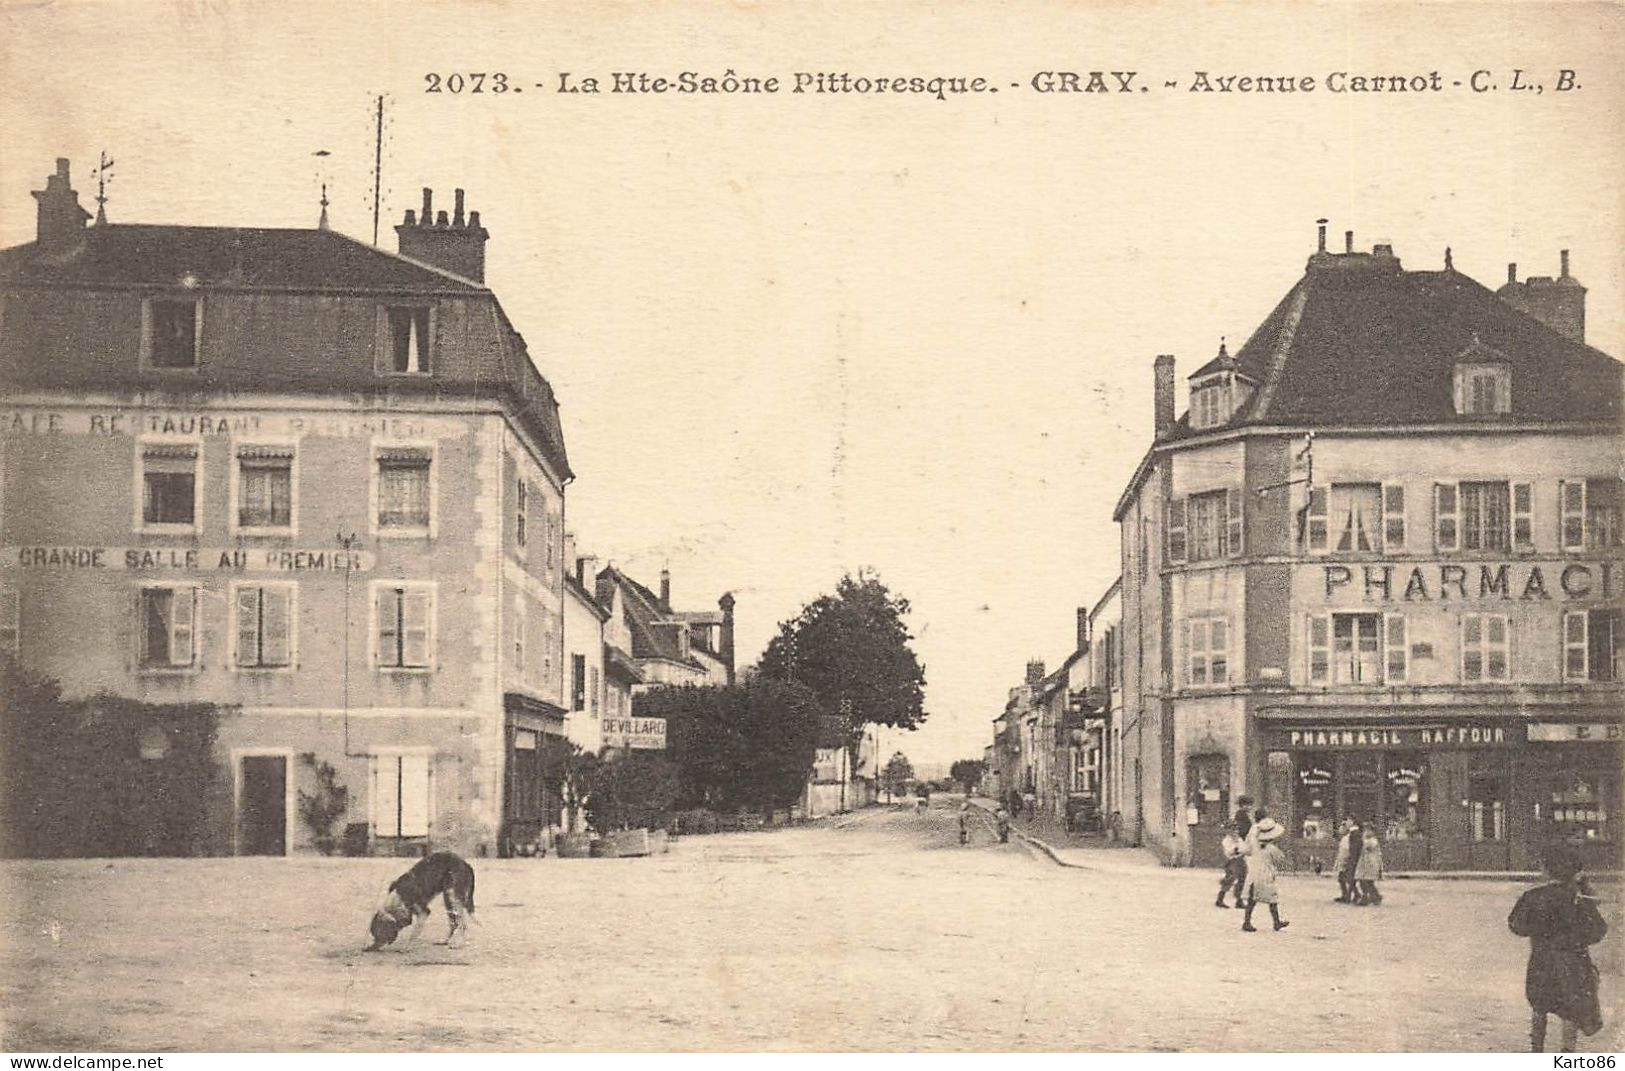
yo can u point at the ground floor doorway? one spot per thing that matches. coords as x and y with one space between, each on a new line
262 804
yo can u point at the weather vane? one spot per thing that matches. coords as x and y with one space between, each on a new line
103 176
321 224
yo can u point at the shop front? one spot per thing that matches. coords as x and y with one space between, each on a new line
1571 777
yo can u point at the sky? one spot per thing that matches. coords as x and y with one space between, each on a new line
799 335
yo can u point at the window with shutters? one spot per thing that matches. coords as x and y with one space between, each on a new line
520 625
594 689
402 793
11 623
1316 526
1592 643
404 491
1486 515
1486 648
263 623
1393 516
408 333
1589 513
1176 530
521 504
1357 649
1207 642
168 617
265 485
170 484
1213 525
171 327
1396 650
404 618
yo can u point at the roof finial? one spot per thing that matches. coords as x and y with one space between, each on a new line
321 224
321 173
103 176
1449 265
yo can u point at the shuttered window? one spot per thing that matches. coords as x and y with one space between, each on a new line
401 793
264 626
405 627
168 618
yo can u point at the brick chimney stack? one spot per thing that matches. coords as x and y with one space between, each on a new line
727 638
455 244
61 220
1083 629
1558 303
1035 670
1163 394
665 590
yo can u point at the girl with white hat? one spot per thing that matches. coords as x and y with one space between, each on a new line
1264 865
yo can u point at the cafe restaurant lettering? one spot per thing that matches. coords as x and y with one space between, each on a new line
185 559
1504 581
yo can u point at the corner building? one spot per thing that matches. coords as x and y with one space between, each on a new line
313 483
1375 572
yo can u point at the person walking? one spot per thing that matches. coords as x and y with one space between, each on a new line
1561 921
1368 868
964 822
1349 846
1234 846
1264 865
1001 821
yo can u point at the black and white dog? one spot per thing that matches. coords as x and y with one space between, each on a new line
445 874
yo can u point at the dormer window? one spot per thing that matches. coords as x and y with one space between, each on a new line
1483 389
408 333
171 327
1210 405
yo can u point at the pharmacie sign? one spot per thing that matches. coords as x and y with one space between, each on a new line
1470 582
158 559
1384 737
649 733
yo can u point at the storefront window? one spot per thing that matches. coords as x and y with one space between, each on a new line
1315 795
1362 778
1581 806
1405 771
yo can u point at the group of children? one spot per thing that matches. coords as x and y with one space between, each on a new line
1561 918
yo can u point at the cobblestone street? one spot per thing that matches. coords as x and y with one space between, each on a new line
873 931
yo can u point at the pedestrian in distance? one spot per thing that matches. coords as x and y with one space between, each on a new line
1234 845
1264 865
1001 821
1349 846
1562 921
964 822
1368 868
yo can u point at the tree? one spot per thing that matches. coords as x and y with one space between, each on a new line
968 772
852 649
632 791
572 770
748 745
898 773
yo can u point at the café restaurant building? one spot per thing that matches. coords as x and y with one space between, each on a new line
1375 573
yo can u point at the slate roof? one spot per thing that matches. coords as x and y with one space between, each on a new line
126 254
1364 345
643 613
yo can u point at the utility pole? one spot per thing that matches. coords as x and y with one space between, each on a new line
377 169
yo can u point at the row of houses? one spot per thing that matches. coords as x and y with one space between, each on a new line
1373 572
321 487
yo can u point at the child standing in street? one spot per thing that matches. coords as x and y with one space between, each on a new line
1264 865
1561 921
964 822
1368 868
1001 819
1349 847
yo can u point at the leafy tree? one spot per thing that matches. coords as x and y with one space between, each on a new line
898 773
572 770
632 791
748 745
968 772
852 649
323 808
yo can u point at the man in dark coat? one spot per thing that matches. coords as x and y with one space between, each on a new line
1235 857
1561 921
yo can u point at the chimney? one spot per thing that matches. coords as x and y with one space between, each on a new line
726 640
61 220
665 590
451 244
1163 394
1348 241
1083 629
1035 670
570 561
1558 303
1322 225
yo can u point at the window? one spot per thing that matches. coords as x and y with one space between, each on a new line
168 617
1592 640
1355 648
11 623
1356 515
1208 406
1405 773
1205 527
1208 646
1485 648
405 617
265 487
1315 792
1483 389
551 535
521 503
264 626
1315 525
169 479
593 689
1397 651
172 329
578 682
1176 530
404 491
1590 513
1393 516
1483 515
1358 649
409 341
401 794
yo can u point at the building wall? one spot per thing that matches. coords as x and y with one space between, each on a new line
584 639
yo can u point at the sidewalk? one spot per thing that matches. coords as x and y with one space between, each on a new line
1045 837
